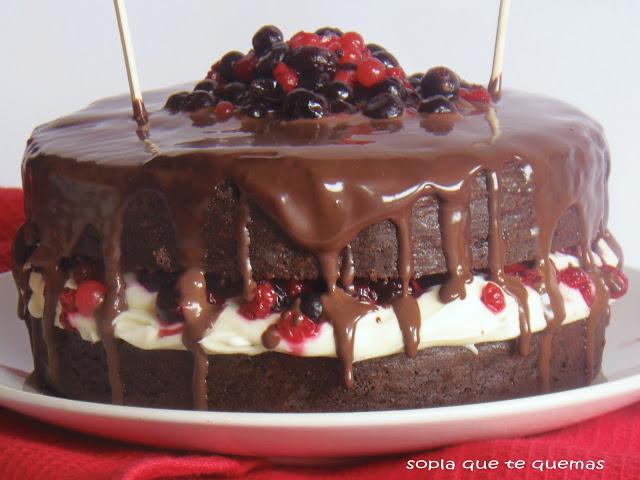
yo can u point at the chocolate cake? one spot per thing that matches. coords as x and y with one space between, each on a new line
309 229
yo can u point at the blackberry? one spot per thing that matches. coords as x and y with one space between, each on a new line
264 39
390 85
338 91
175 101
266 91
311 305
386 58
437 104
268 61
312 60
225 66
197 100
234 92
340 106
385 105
329 31
440 81
374 47
206 86
303 103
255 110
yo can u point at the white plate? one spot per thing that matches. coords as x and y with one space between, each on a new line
317 436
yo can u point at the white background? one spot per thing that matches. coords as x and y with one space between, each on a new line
57 56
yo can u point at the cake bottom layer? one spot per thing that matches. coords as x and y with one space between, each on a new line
276 382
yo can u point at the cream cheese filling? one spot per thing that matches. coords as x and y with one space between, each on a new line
464 323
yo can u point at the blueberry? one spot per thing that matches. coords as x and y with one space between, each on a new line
315 81
312 60
266 91
340 106
365 292
175 101
268 61
385 105
168 304
389 85
206 86
255 110
197 100
412 100
265 38
328 31
374 47
415 79
385 57
303 103
338 91
311 305
234 92
225 66
440 81
437 104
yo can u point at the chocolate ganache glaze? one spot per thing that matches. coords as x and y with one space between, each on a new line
322 182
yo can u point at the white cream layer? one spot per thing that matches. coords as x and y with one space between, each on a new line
459 323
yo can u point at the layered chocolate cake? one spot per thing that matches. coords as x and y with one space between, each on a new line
309 229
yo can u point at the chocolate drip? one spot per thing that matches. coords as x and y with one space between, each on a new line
54 282
512 285
615 247
343 311
406 306
347 271
453 216
248 285
114 303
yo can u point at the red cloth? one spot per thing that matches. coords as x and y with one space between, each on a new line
30 449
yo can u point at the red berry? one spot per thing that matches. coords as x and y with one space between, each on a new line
264 298
68 300
295 327
87 270
224 110
353 38
295 288
349 54
616 280
476 93
370 72
89 296
493 297
285 76
530 277
396 72
346 76
244 67
304 39
577 278
514 268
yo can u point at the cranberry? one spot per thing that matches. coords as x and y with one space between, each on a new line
89 296
577 278
264 298
244 67
616 280
396 72
68 300
285 76
296 327
353 38
265 38
370 72
224 110
384 105
349 54
304 39
175 101
295 287
347 76
440 81
493 297
515 268
476 93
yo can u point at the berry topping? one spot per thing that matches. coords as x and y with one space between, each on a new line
264 299
311 305
168 306
285 76
198 100
215 298
364 291
437 104
440 81
264 39
370 72
296 327
577 278
89 296
527 275
616 280
493 297
385 105
257 82
224 110
68 300
87 270
303 103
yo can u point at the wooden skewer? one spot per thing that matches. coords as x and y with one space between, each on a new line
139 111
495 83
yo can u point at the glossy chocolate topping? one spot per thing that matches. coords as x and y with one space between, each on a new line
322 181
